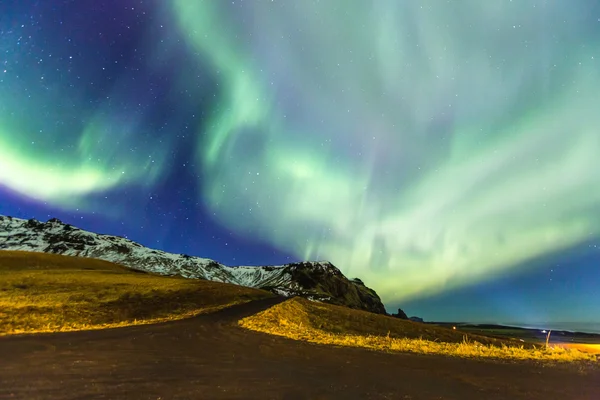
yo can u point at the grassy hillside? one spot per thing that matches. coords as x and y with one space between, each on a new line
45 292
300 319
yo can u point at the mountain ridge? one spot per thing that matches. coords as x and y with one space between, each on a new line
314 280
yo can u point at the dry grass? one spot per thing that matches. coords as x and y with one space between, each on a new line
327 324
47 293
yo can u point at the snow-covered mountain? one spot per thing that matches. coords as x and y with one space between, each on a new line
320 281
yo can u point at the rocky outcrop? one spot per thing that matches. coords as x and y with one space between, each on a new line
401 314
322 281
317 281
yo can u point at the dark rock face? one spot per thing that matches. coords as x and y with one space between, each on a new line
317 281
401 314
322 281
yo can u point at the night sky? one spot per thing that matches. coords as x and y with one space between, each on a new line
447 153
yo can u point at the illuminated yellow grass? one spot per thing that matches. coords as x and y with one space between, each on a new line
585 347
47 293
326 324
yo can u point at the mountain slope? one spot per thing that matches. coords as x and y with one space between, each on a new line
320 281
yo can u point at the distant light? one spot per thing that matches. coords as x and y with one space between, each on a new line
544 331
454 327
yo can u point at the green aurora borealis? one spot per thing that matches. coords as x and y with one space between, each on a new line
419 151
421 146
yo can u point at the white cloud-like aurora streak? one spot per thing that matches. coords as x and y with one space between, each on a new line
420 147
65 175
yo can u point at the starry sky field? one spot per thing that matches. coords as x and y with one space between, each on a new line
447 153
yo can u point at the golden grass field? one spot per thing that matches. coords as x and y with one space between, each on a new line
48 293
301 319
587 348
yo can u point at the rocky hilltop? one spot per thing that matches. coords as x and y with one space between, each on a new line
318 281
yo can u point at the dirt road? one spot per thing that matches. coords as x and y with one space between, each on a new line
209 357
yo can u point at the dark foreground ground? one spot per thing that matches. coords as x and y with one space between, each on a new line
209 357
